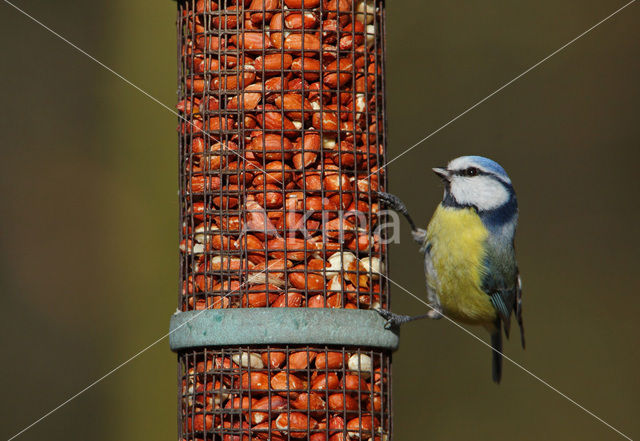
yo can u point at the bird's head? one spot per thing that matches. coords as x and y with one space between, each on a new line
475 181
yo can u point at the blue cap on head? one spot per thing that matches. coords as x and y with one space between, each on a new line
481 162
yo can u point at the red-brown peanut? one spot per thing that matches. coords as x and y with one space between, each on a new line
330 360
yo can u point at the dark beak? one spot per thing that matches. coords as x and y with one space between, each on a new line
443 173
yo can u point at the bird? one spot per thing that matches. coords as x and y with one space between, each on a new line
470 263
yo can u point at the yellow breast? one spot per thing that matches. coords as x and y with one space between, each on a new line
457 239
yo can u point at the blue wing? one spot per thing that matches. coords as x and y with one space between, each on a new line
501 282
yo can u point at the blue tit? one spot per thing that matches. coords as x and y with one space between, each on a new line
469 255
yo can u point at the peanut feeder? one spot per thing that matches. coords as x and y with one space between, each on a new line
282 139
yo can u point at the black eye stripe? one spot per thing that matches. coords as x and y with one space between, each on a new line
471 171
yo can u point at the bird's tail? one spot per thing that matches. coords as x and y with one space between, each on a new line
496 345
519 311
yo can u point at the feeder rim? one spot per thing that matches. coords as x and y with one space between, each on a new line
280 326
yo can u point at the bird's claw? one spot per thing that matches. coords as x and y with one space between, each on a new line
391 201
390 317
384 197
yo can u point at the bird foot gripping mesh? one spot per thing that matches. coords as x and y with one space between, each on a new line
282 137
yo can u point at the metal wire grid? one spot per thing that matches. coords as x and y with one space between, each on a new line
279 153
274 178
269 393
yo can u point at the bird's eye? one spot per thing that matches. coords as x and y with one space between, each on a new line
471 171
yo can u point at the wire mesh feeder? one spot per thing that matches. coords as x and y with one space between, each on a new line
285 393
281 143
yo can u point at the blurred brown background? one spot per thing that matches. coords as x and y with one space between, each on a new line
88 259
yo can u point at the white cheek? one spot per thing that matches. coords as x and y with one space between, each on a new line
482 191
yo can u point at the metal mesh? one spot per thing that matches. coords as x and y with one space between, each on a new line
285 393
280 148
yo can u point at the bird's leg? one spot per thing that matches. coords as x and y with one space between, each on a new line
394 202
420 236
394 321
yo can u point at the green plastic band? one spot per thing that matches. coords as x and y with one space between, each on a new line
280 326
